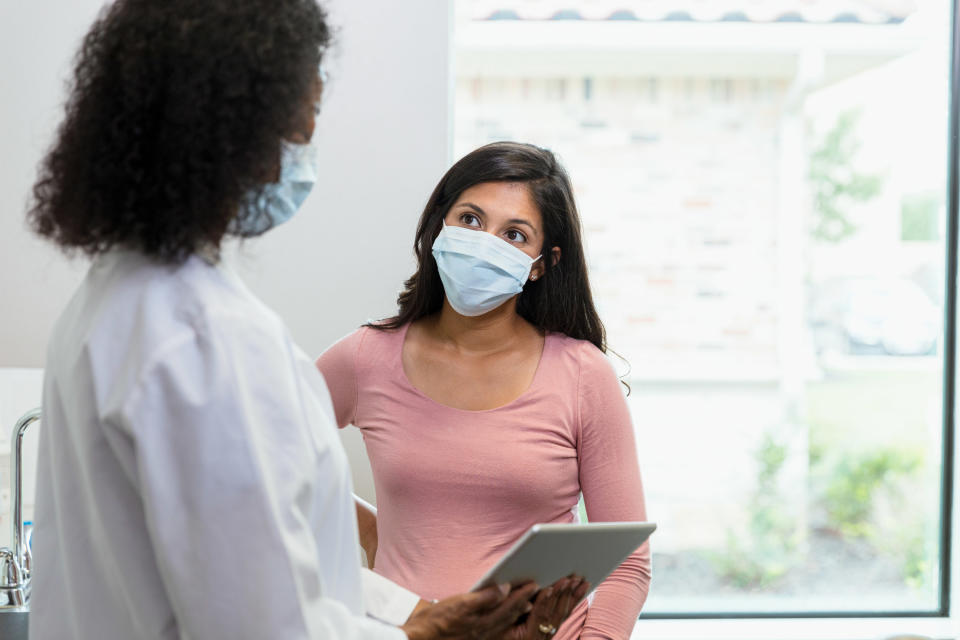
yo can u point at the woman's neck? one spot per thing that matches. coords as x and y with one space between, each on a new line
493 331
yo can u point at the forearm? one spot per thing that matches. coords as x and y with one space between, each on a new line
367 530
618 600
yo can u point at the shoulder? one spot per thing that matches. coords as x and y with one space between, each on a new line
579 367
375 336
597 382
364 344
134 320
347 344
581 354
146 304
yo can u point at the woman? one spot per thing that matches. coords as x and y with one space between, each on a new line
190 483
487 404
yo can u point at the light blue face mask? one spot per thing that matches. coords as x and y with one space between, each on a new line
281 199
479 271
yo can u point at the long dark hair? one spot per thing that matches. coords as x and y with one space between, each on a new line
560 300
177 110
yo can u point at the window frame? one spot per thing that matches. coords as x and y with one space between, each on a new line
942 621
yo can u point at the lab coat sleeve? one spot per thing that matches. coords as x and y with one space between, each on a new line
227 464
387 601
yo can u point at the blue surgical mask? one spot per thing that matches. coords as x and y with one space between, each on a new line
281 199
479 271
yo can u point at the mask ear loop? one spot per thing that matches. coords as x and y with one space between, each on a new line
534 262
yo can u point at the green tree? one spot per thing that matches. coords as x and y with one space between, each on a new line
836 183
767 550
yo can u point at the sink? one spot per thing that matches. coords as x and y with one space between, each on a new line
15 562
13 625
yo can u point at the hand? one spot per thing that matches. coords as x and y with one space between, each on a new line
488 613
551 607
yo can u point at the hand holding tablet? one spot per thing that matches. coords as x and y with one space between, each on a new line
548 552
551 606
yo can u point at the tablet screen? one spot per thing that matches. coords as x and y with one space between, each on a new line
548 552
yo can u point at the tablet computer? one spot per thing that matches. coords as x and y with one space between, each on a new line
548 552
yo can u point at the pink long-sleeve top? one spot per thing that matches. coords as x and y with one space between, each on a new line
456 488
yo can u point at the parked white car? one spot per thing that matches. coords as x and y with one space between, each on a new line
888 316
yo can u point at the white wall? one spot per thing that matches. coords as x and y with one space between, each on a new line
383 136
383 133
37 41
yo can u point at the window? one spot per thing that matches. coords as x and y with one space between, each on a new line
763 193
920 217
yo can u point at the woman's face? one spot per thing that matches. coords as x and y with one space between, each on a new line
506 210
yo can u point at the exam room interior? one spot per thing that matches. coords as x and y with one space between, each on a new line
416 84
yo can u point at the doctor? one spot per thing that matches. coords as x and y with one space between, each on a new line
191 483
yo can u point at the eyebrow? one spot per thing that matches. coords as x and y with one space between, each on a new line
477 209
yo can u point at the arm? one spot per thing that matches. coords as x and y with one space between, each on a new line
338 366
227 466
612 491
367 525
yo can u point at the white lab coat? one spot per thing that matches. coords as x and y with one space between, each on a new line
191 483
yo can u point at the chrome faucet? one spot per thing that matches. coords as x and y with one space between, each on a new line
16 563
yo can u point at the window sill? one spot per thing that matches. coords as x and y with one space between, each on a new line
796 629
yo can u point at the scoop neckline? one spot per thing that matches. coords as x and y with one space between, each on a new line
534 382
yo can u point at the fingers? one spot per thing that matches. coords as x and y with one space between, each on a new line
582 590
554 604
545 615
566 602
482 600
521 595
513 606
487 613
495 613
577 591
545 605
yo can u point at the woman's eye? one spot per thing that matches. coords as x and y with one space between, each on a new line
515 236
470 220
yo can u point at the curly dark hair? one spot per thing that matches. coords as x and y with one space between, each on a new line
177 110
